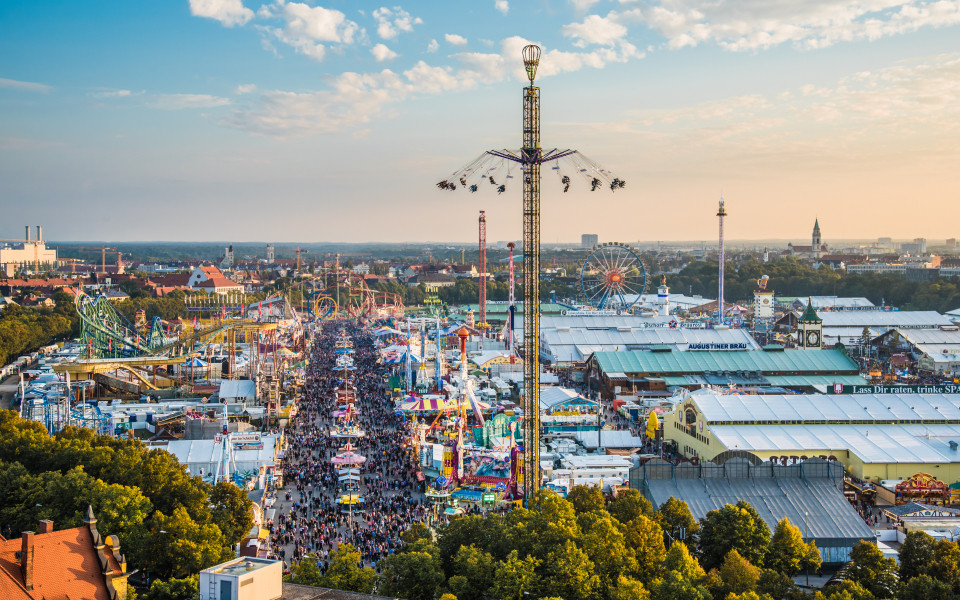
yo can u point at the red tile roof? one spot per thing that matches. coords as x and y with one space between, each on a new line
65 567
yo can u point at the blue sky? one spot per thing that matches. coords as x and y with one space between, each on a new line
277 120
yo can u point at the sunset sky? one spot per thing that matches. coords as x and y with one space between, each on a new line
276 120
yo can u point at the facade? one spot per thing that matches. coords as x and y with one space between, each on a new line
26 256
875 436
589 240
245 578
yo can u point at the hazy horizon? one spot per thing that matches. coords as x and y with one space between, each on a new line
322 119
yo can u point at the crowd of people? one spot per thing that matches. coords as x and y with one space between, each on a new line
312 519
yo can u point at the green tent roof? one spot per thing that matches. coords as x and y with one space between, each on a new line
811 313
785 362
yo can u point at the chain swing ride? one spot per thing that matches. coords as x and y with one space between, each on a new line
495 168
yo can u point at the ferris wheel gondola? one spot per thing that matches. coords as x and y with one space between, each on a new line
613 276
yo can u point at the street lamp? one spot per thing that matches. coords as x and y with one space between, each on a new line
806 533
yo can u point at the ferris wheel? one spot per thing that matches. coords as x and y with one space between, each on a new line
613 277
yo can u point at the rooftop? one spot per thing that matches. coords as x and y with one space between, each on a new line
783 362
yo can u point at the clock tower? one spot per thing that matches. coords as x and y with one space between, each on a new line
810 329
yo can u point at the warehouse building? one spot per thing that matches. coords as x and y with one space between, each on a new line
809 494
875 436
754 370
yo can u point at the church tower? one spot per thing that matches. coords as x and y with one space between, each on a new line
816 245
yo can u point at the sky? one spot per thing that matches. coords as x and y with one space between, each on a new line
316 120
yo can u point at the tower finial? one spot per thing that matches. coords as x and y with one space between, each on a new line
531 60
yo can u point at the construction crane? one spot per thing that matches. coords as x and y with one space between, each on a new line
103 253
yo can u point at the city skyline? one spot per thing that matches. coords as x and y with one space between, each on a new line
318 121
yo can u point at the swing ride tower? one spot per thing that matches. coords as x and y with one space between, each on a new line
530 157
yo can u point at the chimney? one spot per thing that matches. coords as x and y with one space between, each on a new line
46 526
39 233
27 227
26 560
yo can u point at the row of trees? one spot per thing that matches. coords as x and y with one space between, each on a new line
24 329
171 524
586 548
790 277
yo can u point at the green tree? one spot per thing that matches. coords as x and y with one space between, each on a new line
774 584
677 520
568 573
916 554
628 505
629 589
645 538
345 573
307 571
586 498
679 560
187 588
474 572
231 511
552 524
945 566
788 552
845 590
515 576
737 574
924 587
870 569
675 587
733 527
603 541
412 575
190 547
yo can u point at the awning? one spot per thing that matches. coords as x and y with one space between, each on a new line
613 376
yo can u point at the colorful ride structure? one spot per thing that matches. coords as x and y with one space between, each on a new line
613 277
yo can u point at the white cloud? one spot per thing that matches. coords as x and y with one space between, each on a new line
390 22
103 93
354 99
308 28
583 5
180 101
456 40
433 46
596 30
246 88
382 53
809 24
24 86
228 12
502 5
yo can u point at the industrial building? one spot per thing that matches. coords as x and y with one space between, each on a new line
26 255
809 494
613 373
847 327
875 436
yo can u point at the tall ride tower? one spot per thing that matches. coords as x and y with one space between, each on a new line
492 166
511 305
482 325
721 214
